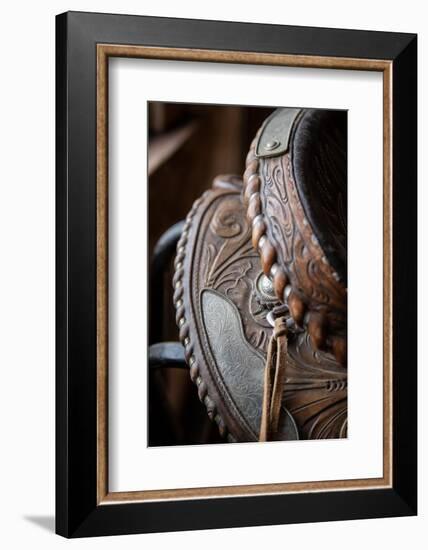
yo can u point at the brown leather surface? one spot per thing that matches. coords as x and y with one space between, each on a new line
222 300
296 203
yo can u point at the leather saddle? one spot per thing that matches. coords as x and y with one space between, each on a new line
271 246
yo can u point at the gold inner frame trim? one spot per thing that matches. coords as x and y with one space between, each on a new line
104 51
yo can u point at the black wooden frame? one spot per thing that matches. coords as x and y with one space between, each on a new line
77 513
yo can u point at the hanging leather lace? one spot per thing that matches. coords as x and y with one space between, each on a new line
274 378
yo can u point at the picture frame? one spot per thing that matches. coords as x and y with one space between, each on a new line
84 44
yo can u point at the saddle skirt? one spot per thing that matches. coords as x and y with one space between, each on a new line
266 242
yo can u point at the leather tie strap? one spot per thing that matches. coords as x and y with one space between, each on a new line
274 378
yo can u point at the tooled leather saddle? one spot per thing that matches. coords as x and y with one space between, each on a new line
260 285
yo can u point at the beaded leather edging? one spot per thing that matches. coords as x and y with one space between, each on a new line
183 326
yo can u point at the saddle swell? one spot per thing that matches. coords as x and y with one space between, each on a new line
230 276
296 201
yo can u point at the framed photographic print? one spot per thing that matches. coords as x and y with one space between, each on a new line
236 274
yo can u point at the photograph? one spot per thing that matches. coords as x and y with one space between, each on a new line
213 313
235 239
247 230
